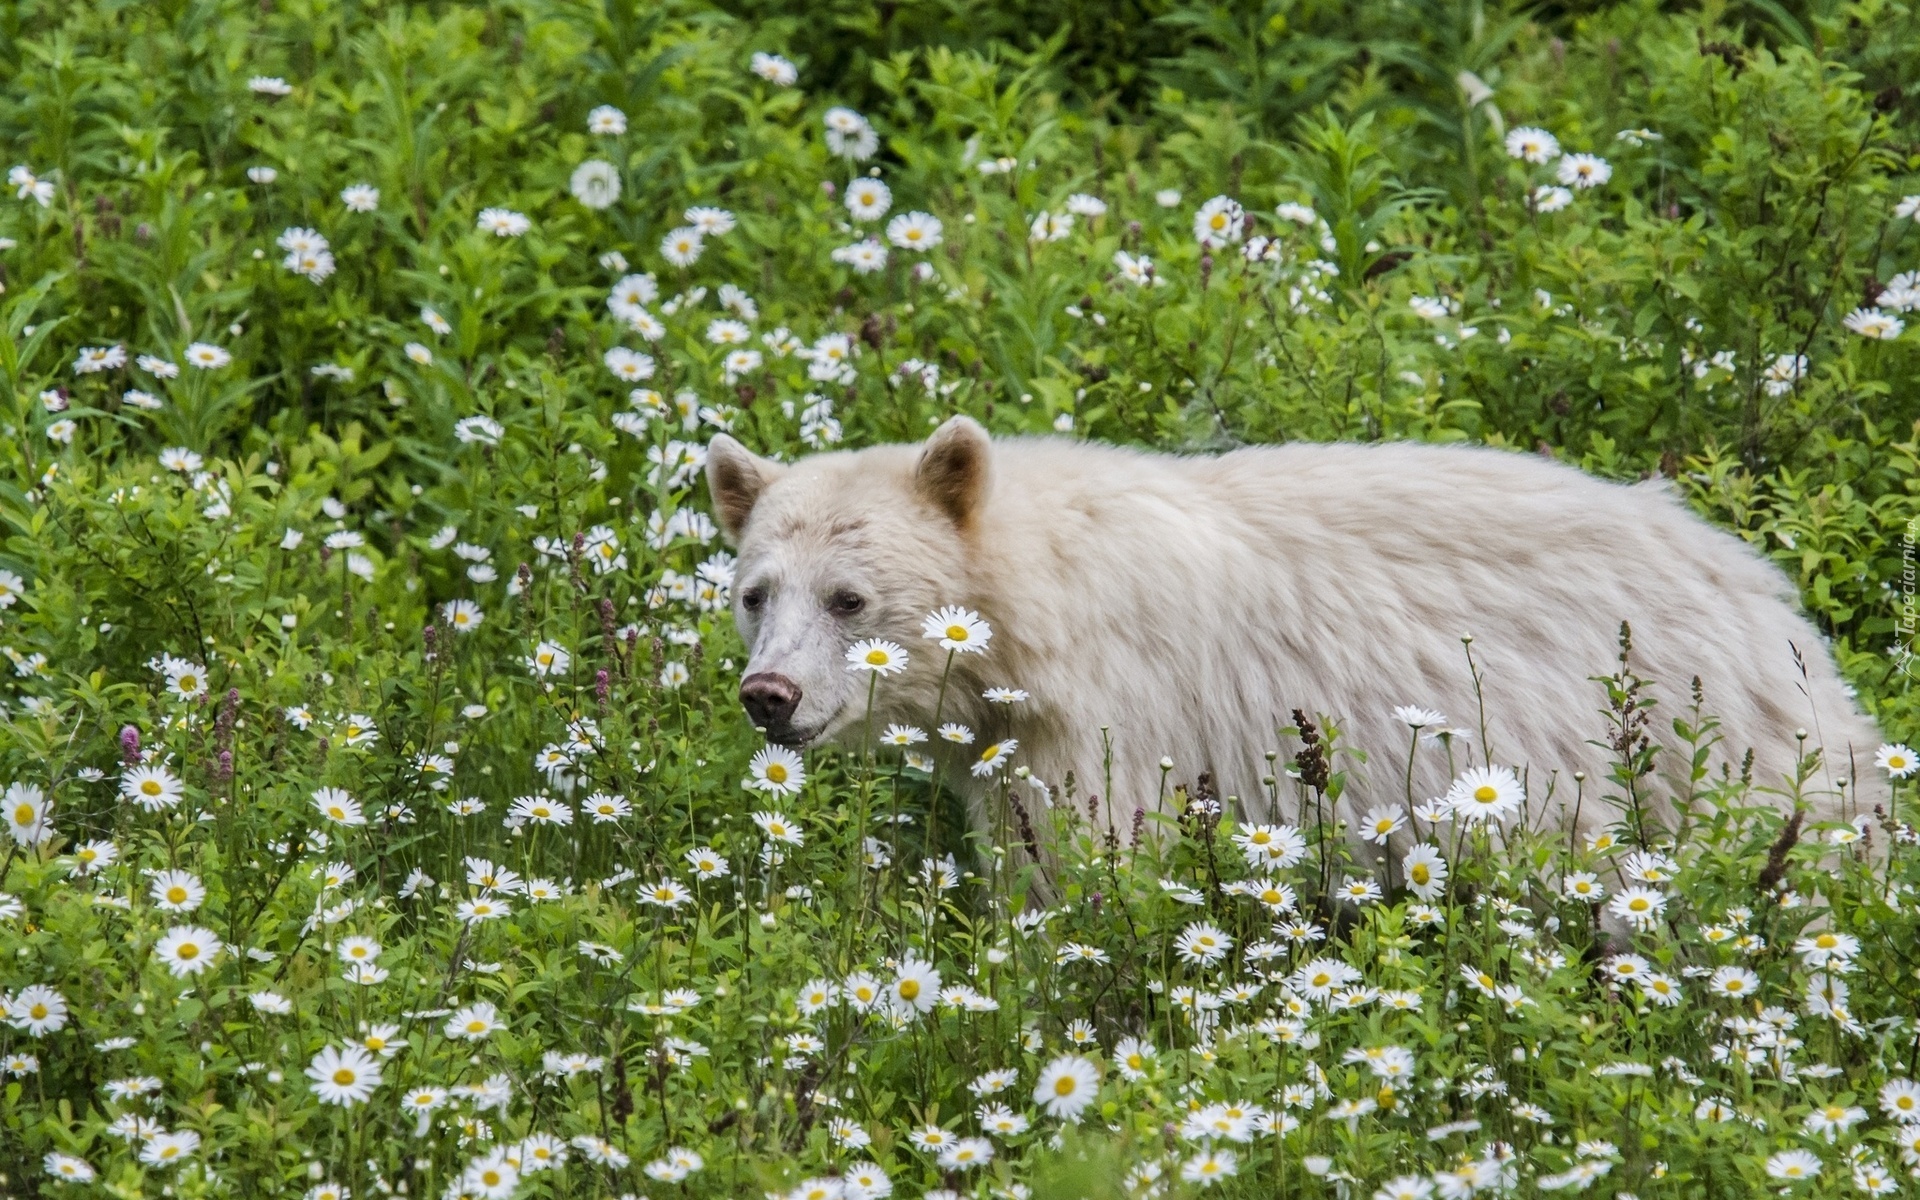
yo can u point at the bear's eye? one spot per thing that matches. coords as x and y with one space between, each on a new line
845 604
753 598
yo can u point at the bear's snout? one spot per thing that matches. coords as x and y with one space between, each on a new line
770 700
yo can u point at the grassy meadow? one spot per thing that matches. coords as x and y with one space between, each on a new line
381 819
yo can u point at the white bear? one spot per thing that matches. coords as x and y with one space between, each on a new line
1180 607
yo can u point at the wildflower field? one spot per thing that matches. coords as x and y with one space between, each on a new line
381 818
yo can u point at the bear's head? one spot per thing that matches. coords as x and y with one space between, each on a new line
839 547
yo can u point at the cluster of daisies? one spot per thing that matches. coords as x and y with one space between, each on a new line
1573 172
1296 992
1252 1036
1297 255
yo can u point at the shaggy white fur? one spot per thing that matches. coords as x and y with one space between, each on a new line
1187 604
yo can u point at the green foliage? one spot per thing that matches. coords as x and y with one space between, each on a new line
247 477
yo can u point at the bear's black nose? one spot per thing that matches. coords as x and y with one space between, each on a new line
770 700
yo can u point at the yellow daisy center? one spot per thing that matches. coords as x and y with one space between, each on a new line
1485 794
909 989
877 658
1066 1085
776 773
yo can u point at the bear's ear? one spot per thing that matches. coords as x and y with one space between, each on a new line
952 471
736 476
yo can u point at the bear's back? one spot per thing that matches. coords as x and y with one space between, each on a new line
1396 501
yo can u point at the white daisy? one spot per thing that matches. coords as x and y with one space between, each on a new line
877 656
777 770
957 629
1066 1086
